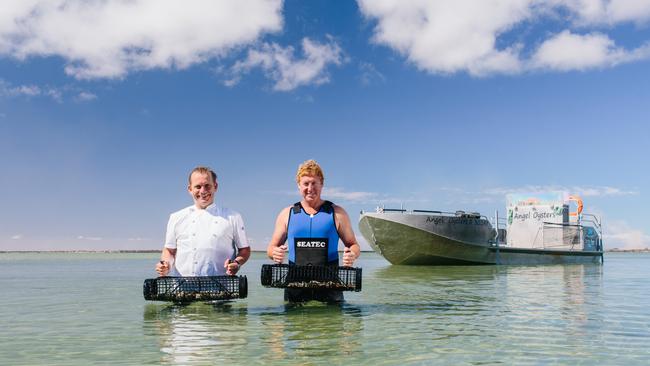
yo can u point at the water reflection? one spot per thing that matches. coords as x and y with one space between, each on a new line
558 296
433 288
312 331
490 313
526 307
198 333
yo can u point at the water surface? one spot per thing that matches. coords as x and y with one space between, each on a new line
80 309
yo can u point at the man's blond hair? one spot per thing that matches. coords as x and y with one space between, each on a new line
203 170
310 167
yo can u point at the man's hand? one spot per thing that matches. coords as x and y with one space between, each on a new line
348 257
231 267
278 253
162 268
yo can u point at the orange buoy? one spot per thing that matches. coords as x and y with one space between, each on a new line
578 202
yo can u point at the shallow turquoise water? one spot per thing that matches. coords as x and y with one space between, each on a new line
80 309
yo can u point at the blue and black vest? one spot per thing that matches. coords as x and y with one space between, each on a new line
312 239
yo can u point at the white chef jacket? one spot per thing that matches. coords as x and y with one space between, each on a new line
204 239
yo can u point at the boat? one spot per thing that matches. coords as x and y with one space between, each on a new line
539 228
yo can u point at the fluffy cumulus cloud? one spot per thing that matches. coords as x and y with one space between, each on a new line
567 51
606 12
285 69
498 36
109 38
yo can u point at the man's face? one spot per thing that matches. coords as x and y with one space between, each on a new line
310 188
202 189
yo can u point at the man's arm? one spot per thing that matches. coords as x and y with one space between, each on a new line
242 255
232 267
344 228
168 255
167 258
276 248
241 241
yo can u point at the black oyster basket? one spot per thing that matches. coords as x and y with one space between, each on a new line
311 277
188 289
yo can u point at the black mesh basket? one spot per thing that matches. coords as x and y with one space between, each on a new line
311 277
188 289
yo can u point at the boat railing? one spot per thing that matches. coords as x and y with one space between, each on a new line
554 235
471 215
393 210
595 223
499 223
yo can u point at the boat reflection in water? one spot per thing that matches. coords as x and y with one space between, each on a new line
538 229
495 314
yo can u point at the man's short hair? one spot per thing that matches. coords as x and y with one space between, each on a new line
310 167
203 170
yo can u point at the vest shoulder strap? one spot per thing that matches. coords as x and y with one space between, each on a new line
327 207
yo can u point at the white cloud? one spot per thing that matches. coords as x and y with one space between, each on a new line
569 51
336 193
138 239
57 94
109 38
370 74
91 238
577 190
607 11
7 89
448 36
279 64
85 96
17 237
442 37
602 191
28 90
618 234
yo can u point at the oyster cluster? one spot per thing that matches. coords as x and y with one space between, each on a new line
197 296
317 284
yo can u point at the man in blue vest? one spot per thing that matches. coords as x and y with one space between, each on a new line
310 231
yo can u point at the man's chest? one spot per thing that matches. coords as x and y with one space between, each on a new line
203 229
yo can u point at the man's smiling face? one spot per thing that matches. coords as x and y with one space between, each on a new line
202 189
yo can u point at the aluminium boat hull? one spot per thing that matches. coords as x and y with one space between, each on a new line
417 239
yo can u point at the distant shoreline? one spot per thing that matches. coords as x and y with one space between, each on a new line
614 250
111 251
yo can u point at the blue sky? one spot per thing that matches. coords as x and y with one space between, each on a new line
105 106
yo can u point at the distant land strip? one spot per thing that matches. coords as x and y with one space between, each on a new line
617 250
115 251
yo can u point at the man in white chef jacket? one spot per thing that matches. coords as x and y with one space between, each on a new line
203 239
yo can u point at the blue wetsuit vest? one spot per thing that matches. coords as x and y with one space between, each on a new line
312 239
